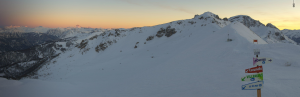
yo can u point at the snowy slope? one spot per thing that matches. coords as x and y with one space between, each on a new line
196 61
243 31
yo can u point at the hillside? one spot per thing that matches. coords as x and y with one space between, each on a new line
185 58
293 34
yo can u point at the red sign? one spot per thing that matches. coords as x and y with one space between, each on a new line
257 69
254 40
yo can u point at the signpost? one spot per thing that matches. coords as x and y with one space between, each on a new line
257 69
255 77
253 86
258 85
261 61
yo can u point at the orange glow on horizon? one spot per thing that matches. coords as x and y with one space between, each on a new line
51 24
88 21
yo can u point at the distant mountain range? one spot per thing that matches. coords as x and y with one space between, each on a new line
19 38
13 41
292 34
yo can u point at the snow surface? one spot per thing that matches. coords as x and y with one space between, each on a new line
197 61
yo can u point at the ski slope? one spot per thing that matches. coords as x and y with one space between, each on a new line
197 61
243 31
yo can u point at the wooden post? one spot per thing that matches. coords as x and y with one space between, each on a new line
258 90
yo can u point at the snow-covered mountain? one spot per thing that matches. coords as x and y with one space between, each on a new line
292 34
246 20
269 33
58 32
71 32
20 38
185 58
39 29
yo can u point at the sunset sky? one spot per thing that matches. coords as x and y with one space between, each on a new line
139 13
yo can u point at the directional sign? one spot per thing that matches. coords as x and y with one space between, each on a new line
253 86
261 61
257 69
255 77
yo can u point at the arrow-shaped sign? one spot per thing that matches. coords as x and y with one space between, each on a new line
253 86
255 77
257 69
261 61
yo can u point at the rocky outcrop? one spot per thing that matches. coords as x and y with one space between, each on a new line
246 20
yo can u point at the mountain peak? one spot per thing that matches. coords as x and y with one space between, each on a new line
271 26
207 14
246 20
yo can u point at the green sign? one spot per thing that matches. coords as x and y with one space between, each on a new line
255 77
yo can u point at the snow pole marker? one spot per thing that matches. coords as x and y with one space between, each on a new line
255 40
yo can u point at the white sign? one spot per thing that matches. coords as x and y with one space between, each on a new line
253 86
256 51
261 61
